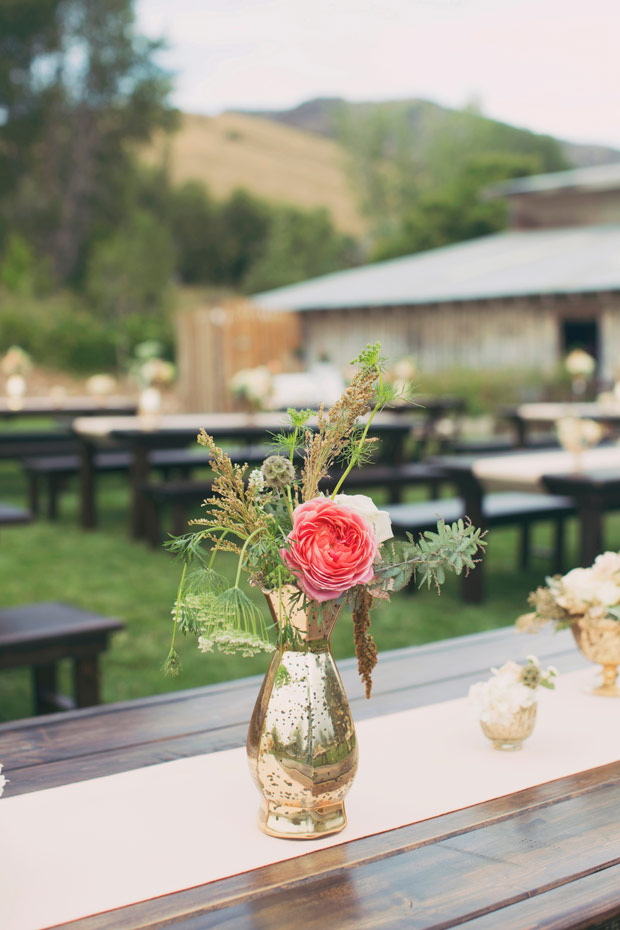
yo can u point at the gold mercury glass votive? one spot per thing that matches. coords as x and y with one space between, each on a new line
509 736
599 641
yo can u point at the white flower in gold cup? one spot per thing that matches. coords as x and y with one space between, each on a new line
505 705
576 434
588 601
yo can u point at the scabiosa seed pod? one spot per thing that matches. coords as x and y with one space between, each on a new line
531 676
278 472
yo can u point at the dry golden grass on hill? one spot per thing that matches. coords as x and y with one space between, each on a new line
276 162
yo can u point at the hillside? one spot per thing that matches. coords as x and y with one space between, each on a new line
322 116
278 162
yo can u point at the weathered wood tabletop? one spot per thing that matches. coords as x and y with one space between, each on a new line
546 857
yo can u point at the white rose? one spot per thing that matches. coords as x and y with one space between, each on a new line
607 564
379 519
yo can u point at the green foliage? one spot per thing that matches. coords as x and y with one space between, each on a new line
457 211
129 277
300 244
20 271
88 90
453 547
419 171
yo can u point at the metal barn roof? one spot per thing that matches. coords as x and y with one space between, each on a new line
510 264
597 177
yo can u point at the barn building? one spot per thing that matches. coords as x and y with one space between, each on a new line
518 299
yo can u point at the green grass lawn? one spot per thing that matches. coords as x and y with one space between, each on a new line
104 571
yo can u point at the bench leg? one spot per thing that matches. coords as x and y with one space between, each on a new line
558 545
44 689
87 681
53 491
525 546
33 494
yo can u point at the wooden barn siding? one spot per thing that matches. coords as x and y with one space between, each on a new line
610 337
215 342
515 333
563 208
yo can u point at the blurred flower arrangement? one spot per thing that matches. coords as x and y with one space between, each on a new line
16 364
576 434
510 689
312 550
151 372
593 592
101 385
252 387
580 366
16 361
2 780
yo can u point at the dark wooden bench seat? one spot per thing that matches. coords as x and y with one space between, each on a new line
181 496
510 508
18 444
50 472
41 635
13 516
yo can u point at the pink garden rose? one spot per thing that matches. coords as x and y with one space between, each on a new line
332 549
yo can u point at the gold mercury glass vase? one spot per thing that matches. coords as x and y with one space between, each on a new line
598 639
302 746
509 736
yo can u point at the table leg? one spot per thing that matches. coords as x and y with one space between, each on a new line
87 681
44 688
591 513
471 492
139 476
88 515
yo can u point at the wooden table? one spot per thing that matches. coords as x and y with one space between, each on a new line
594 489
547 857
67 407
144 434
526 416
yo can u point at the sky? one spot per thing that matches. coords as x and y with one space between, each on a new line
548 65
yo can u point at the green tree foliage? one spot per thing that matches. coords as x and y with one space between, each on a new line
458 210
88 89
128 280
420 171
246 244
300 244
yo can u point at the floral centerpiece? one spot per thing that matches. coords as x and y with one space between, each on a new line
252 387
151 372
586 600
506 704
311 553
15 364
580 366
576 434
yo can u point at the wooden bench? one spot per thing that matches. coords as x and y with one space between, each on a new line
180 496
17 444
49 474
40 635
511 508
13 516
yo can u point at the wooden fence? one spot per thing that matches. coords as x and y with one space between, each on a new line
216 341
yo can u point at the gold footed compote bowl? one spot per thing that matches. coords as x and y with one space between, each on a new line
509 736
598 639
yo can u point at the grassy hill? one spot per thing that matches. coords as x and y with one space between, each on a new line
322 117
293 156
278 162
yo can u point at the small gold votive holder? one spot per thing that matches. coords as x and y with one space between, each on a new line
509 737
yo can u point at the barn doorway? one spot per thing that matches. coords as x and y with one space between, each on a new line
581 334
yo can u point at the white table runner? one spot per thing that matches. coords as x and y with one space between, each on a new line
80 849
523 471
